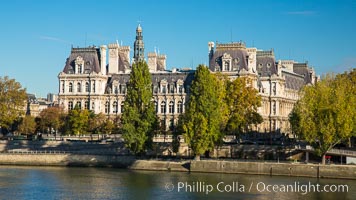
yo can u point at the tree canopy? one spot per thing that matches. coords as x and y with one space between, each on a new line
27 125
217 106
139 118
12 101
51 118
326 113
78 120
242 103
202 120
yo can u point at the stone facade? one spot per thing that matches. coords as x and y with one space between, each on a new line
90 81
278 82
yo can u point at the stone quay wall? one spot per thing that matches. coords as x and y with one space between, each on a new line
208 166
272 169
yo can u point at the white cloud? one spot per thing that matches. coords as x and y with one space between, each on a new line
43 37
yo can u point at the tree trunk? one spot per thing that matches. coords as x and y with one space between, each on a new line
197 157
323 159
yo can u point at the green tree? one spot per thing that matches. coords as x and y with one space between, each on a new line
107 127
78 120
51 118
96 122
139 119
203 120
12 101
325 115
27 125
242 103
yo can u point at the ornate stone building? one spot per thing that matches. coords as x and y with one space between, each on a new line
278 82
93 80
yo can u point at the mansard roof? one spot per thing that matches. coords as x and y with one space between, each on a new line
90 56
292 80
238 54
266 63
304 70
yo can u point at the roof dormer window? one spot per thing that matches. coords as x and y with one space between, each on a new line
79 65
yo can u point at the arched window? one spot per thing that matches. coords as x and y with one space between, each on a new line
86 87
79 87
171 107
86 105
163 107
70 105
107 107
180 107
114 107
70 87
79 104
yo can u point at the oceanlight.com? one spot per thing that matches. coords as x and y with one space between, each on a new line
236 187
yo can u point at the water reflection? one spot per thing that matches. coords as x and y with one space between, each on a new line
105 183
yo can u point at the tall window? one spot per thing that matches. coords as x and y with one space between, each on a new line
79 104
94 87
123 89
226 66
93 106
63 87
164 89
79 87
274 88
156 106
86 87
107 107
171 107
180 89
80 69
274 107
86 105
163 107
122 107
155 89
171 88
70 89
70 105
180 107
116 90
114 107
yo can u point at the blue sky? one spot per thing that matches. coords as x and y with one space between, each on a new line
36 36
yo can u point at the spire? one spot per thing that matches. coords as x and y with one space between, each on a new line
139 47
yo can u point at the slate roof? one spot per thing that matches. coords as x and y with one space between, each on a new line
90 56
266 63
303 69
238 54
293 81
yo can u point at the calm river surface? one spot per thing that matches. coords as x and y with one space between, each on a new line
106 183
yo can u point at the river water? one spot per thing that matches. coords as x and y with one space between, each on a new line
107 183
